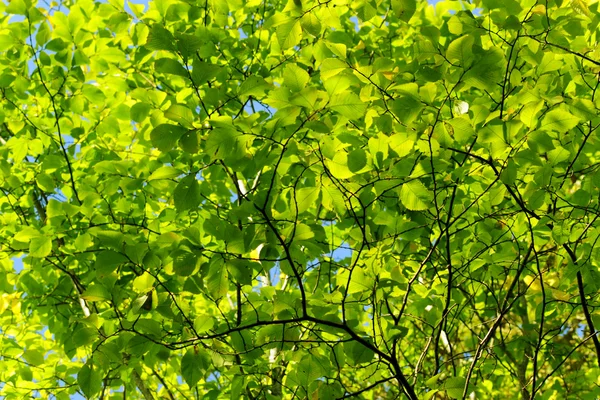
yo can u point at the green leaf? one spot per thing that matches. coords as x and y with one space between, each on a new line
496 195
241 271
165 136
203 71
143 283
454 387
529 113
93 94
193 365
83 241
415 196
558 155
224 143
360 282
34 357
254 86
306 198
96 293
185 262
107 261
332 67
160 39
170 66
17 7
401 144
303 232
311 24
379 148
166 172
188 44
509 174
537 200
308 370
6 42
348 104
139 111
289 33
404 9
45 182
181 114
6 80
338 166
584 109
406 108
110 239
40 247
218 281
559 120
190 142
89 380
187 195
204 323
358 353
295 78
460 51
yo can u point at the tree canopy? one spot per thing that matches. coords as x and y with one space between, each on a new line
317 199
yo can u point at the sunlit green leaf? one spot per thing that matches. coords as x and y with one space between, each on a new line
40 246
348 104
559 120
96 293
160 39
404 9
415 196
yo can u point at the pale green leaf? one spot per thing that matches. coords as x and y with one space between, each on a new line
289 33
40 246
559 120
143 283
165 172
306 198
529 113
96 293
404 9
348 104
181 114
218 281
295 78
460 51
415 196
454 387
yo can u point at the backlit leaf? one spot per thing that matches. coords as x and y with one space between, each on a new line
165 136
559 120
415 196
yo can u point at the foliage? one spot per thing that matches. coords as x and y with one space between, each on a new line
311 199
